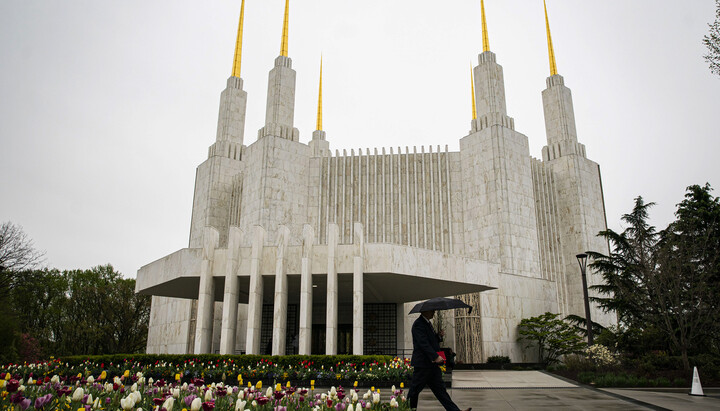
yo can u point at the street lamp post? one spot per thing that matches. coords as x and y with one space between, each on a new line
582 260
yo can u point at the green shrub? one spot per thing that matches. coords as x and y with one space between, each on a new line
498 359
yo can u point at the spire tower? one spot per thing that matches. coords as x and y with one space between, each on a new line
319 144
551 51
284 43
485 39
238 43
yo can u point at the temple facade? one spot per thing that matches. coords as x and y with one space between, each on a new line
297 249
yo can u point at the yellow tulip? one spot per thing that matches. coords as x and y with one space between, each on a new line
249 384
312 382
126 374
2 383
278 387
177 377
355 384
258 385
79 375
372 388
7 376
402 385
288 384
103 375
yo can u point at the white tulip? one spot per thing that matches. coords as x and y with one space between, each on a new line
55 379
30 381
168 404
354 397
96 404
208 395
240 406
269 392
150 381
127 403
333 391
368 405
136 396
393 403
176 393
376 398
196 404
90 380
78 394
350 408
89 399
254 404
133 388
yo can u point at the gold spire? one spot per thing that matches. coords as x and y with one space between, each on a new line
319 117
238 44
472 86
486 41
284 45
551 52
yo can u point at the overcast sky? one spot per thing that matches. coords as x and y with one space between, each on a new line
107 107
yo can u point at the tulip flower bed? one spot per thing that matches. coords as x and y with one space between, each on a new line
382 371
150 382
87 393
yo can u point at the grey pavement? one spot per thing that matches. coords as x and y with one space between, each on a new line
536 390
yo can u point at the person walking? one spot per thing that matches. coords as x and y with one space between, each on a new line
426 363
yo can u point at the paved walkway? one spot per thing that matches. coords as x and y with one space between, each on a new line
536 390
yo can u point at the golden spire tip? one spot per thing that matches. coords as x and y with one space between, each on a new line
485 39
238 43
284 45
551 51
472 87
319 116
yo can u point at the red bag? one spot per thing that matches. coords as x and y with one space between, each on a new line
442 354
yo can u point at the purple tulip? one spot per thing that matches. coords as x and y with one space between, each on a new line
340 407
189 399
24 404
41 402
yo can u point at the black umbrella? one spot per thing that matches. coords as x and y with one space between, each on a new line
440 303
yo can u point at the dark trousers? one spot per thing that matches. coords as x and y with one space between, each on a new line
432 377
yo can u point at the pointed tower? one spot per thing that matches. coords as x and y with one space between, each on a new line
319 145
280 109
498 206
578 187
179 325
225 154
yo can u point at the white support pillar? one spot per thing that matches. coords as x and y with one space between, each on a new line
230 299
358 291
281 294
331 318
255 297
206 293
306 292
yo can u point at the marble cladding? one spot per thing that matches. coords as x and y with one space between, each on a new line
486 216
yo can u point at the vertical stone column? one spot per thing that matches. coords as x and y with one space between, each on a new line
206 293
230 299
358 292
306 292
255 297
281 293
231 119
331 318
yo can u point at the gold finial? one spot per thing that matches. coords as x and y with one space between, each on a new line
284 45
472 86
551 52
319 118
238 44
486 40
